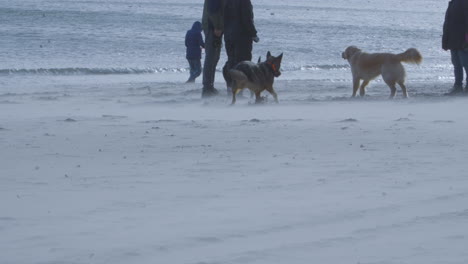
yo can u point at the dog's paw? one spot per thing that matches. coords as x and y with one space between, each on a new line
262 100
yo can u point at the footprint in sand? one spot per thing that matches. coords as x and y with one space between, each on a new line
403 119
443 121
349 120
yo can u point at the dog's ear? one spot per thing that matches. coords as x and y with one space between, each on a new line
280 57
268 55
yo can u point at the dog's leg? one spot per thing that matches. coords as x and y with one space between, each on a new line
392 89
403 88
258 98
272 92
362 90
235 91
356 82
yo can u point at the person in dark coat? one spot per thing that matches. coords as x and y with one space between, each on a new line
239 34
455 39
194 43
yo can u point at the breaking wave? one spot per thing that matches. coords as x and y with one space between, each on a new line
88 71
323 67
123 71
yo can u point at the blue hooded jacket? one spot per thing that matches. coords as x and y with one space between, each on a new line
194 42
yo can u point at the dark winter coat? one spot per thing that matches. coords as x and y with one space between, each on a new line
213 15
194 42
239 19
455 25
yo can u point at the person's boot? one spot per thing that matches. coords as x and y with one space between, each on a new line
456 90
209 92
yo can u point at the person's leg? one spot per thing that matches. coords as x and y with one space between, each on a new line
229 46
197 68
237 49
191 78
209 57
217 45
458 72
464 61
212 52
244 50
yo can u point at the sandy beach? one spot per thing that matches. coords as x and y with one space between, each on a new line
91 178
107 157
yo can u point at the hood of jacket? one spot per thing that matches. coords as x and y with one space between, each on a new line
197 27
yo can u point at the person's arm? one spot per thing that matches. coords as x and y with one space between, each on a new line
200 41
247 17
465 14
445 30
186 39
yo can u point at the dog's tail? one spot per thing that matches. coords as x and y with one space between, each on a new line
238 76
411 55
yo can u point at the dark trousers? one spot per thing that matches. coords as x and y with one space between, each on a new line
195 69
460 63
238 49
212 51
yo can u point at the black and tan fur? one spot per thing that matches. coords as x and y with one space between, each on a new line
257 77
366 67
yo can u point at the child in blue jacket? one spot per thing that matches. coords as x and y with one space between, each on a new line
194 43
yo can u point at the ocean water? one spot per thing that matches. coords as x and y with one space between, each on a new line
52 45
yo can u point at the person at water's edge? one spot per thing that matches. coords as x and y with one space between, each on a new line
455 39
239 34
194 43
213 27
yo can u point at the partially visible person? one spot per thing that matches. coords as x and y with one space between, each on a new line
213 27
455 39
194 43
239 34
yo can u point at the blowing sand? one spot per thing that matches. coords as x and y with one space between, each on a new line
92 179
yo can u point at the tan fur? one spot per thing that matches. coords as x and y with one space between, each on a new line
366 67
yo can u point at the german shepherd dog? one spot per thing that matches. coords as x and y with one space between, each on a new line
257 77
368 66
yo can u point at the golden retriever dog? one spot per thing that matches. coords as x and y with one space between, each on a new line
368 66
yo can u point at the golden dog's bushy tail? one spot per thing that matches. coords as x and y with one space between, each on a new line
411 55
